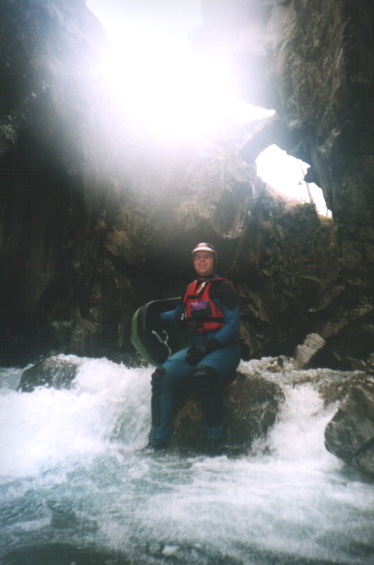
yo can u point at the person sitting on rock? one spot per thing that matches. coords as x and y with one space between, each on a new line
210 308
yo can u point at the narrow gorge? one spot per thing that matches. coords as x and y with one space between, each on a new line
97 218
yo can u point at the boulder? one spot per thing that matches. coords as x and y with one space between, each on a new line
251 404
350 433
54 372
304 353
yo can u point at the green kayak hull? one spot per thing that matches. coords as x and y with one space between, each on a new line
153 343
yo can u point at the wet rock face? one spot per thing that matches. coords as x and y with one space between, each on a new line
251 404
350 434
48 64
52 372
323 73
325 79
288 275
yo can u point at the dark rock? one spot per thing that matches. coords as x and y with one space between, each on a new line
54 372
350 433
369 366
251 404
334 387
325 84
286 270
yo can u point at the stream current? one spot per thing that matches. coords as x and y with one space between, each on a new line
77 488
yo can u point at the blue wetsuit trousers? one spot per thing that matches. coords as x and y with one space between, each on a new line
176 371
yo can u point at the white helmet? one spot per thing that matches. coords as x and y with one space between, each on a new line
206 247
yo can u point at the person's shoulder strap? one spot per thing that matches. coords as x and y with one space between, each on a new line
189 290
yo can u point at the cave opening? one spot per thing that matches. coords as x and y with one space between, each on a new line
286 174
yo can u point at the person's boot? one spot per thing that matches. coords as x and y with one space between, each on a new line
215 447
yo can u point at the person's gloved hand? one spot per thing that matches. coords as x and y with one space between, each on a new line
197 352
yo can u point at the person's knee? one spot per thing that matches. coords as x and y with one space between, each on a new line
157 378
205 380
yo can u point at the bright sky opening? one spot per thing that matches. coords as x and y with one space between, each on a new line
286 174
174 93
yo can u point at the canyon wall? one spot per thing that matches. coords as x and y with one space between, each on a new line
96 221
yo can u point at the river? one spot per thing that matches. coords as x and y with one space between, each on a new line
77 488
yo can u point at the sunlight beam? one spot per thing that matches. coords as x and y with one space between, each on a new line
165 86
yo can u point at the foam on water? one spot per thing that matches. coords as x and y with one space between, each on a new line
50 427
72 471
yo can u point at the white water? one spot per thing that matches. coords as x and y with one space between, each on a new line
72 472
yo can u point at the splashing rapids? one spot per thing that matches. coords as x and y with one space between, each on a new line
76 487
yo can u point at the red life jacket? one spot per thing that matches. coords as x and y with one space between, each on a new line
199 309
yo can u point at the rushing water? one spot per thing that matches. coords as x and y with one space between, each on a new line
76 486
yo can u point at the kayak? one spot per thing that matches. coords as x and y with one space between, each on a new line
154 343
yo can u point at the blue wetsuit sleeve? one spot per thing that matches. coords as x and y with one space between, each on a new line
230 331
172 317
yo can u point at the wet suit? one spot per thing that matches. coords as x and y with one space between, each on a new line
209 374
